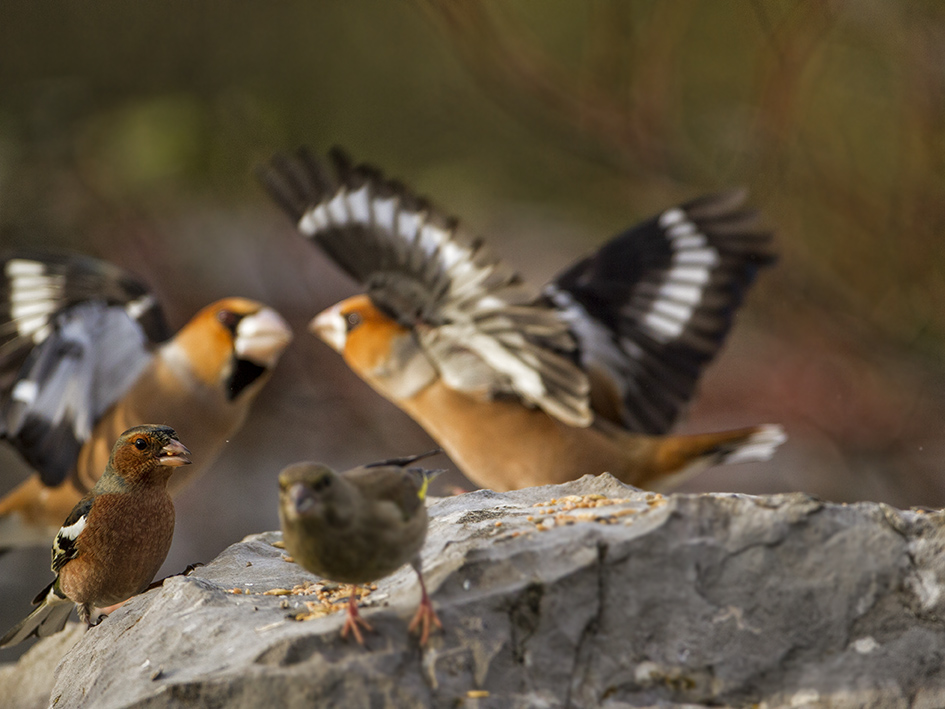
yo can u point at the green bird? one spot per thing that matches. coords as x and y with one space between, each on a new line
359 526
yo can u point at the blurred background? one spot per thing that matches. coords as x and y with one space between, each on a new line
131 132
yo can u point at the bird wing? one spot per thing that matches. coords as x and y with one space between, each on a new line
652 307
75 333
405 487
482 328
65 546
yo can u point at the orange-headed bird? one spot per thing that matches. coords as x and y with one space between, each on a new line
524 387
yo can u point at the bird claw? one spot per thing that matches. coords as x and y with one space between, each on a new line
424 619
354 621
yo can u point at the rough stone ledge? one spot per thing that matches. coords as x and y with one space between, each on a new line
687 600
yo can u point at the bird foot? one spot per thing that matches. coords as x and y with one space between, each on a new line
424 619
354 621
94 616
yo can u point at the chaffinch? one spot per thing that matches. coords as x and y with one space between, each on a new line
116 538
80 363
358 526
523 387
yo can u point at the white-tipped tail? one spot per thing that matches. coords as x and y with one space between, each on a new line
758 445
761 445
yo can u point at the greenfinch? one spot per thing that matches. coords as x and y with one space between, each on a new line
358 526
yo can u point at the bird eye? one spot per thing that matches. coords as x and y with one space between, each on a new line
141 444
352 320
229 319
321 483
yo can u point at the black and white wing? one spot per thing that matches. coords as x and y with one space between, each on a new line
75 333
478 323
65 546
653 306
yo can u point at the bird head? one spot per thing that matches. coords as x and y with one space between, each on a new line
234 342
146 454
313 493
380 350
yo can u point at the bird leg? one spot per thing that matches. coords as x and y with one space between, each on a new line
353 619
92 616
425 617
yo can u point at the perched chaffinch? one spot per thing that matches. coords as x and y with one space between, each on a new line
358 526
523 387
115 540
80 363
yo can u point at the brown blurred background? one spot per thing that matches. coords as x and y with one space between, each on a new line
130 132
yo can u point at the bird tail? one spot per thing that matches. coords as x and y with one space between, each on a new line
428 475
405 460
423 476
677 458
49 618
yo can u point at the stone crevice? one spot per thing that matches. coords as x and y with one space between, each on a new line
590 629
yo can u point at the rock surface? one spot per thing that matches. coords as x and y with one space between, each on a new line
687 600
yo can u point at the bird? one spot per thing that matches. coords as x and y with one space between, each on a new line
359 526
115 539
85 353
524 386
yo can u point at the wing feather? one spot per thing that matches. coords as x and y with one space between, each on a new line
653 306
75 332
66 545
484 330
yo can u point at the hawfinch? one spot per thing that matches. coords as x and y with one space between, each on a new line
85 355
358 526
524 387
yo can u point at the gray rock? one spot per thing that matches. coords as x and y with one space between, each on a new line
687 600
26 684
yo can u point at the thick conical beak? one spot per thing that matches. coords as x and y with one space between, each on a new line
262 337
175 453
330 326
302 499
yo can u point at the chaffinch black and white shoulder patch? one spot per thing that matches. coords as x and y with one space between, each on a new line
358 526
116 538
526 387
85 353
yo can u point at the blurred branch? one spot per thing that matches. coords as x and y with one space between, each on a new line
523 79
792 45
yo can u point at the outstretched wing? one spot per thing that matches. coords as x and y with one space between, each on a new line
478 323
74 335
652 307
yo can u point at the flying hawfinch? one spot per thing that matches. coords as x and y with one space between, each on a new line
522 387
79 364
115 539
358 526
